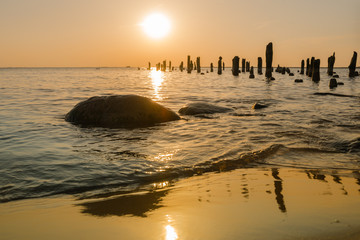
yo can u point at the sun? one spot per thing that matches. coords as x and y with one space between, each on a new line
156 25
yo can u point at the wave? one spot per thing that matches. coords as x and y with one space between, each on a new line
104 186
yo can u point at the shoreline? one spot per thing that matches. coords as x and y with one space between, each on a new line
250 203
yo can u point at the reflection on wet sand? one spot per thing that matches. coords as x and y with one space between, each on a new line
239 204
278 189
139 204
133 204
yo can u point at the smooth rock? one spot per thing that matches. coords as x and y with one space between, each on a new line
340 83
335 76
202 108
119 111
298 80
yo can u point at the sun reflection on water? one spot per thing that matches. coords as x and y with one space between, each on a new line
157 78
170 230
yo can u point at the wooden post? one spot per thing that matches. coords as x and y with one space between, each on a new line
211 67
189 68
311 67
352 66
252 72
170 69
243 63
158 67
316 70
302 67
331 62
198 65
248 66
223 66
149 67
269 59
163 68
181 66
220 66
307 67
235 66
259 66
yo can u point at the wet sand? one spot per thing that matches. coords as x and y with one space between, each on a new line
250 203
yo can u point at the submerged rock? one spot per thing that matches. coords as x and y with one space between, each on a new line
298 80
259 106
202 108
119 111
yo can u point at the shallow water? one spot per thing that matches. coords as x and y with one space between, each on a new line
42 155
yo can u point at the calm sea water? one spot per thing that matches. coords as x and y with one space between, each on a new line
42 155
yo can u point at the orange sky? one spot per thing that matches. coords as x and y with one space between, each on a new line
91 33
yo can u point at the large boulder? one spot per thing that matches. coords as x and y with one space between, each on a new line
202 108
119 111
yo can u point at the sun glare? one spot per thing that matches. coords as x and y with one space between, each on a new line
156 25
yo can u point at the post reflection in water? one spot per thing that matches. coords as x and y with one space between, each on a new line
157 78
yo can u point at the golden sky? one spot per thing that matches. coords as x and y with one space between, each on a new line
91 33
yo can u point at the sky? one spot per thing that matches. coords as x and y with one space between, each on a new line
98 33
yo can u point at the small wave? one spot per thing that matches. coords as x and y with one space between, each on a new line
334 94
100 186
352 146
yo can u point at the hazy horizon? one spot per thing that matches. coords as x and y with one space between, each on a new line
108 33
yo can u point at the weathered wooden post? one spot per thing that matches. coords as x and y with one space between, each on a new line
164 66
316 70
157 66
243 63
331 62
252 72
223 66
311 66
259 66
194 66
235 66
149 67
352 66
269 59
181 66
189 67
211 67
170 69
302 66
307 66
248 66
220 66
198 65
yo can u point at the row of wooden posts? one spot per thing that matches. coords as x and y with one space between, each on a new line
312 66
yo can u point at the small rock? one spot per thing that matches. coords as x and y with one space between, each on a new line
259 106
340 83
298 80
202 108
333 83
251 76
291 74
335 76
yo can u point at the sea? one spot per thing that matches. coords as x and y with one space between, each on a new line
305 125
